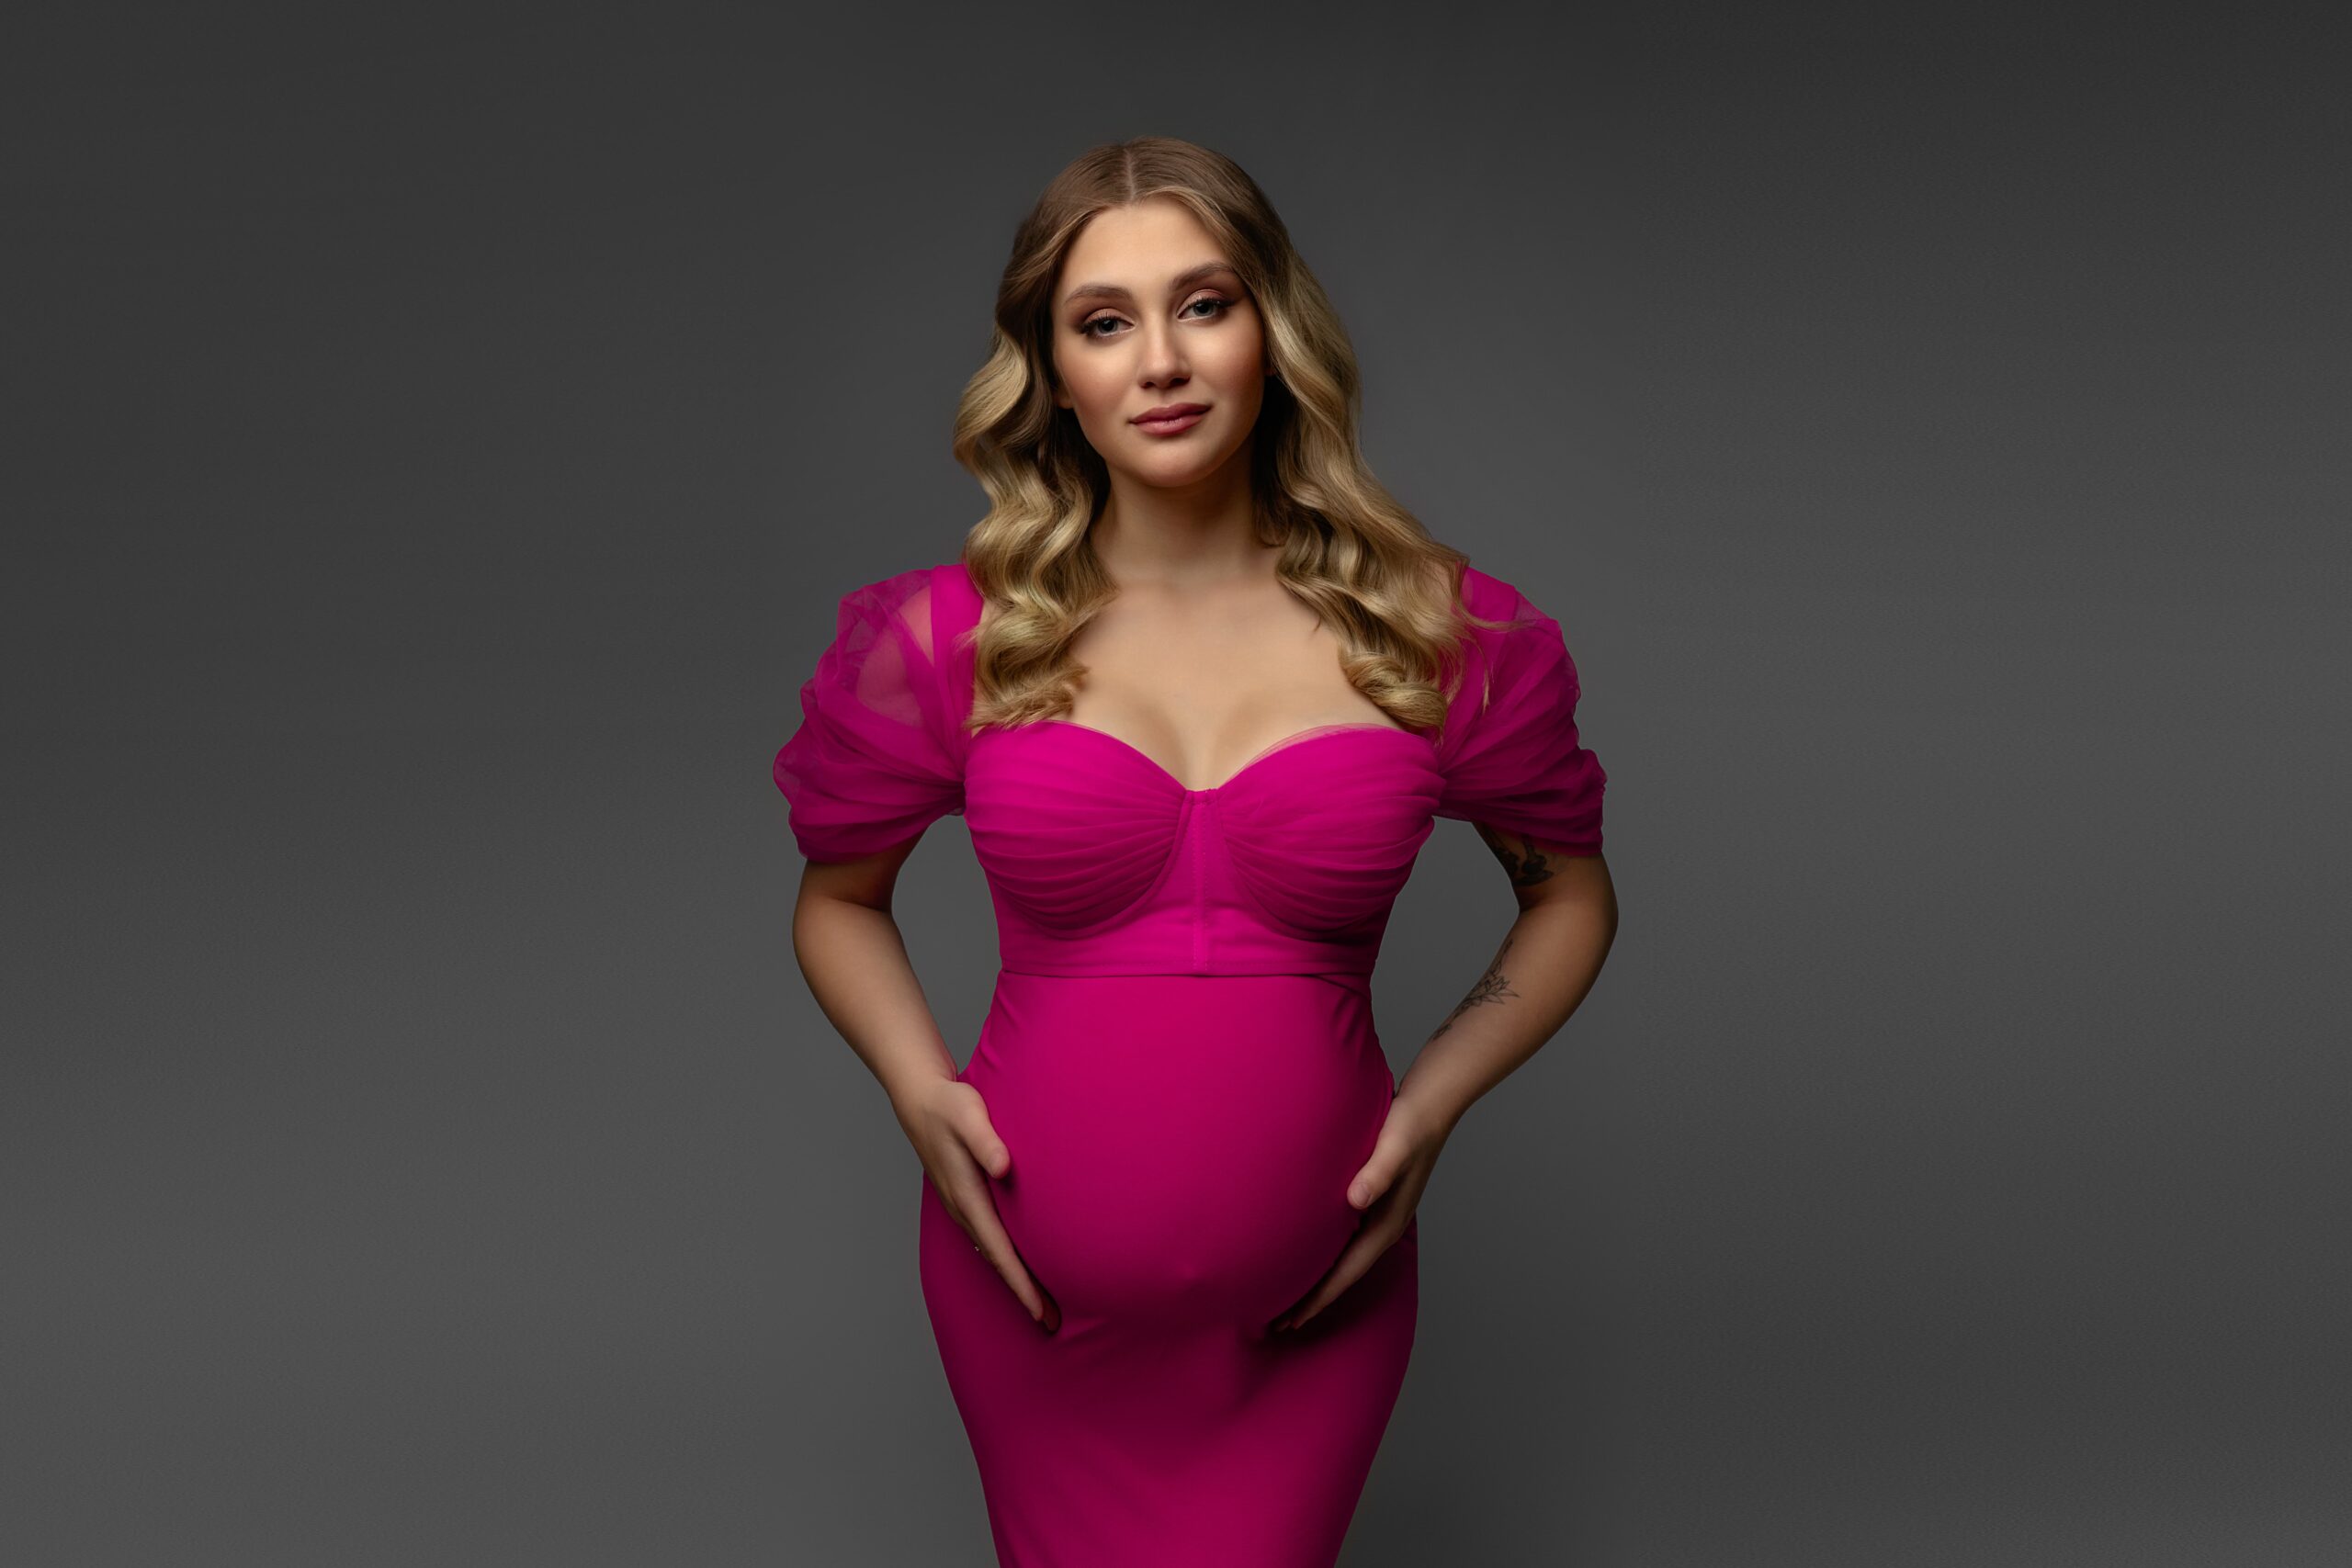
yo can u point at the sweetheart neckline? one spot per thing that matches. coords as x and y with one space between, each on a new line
1313 732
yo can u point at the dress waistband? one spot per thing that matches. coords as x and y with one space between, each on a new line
1353 980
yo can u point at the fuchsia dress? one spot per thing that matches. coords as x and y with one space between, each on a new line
1181 1057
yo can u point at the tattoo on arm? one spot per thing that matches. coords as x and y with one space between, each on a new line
1492 987
1521 856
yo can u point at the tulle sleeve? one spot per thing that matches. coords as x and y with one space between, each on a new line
876 758
1511 758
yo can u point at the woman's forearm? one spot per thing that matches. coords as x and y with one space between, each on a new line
856 961
1546 965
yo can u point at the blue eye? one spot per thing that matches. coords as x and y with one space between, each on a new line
1086 328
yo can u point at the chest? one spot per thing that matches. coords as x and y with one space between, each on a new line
1204 695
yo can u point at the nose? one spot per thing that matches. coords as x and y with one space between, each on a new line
1163 356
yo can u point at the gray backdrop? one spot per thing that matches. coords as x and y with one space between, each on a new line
437 438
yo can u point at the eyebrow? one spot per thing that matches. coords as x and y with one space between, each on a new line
1182 280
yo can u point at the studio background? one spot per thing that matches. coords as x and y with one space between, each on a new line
438 437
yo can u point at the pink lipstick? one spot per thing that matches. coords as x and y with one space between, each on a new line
1169 419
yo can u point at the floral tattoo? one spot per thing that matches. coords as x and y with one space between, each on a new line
1492 987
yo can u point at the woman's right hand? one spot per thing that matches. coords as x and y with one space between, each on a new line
947 1123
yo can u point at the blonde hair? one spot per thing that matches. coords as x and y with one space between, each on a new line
1390 593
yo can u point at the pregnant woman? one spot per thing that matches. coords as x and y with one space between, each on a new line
1199 687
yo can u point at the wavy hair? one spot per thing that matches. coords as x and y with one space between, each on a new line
1391 594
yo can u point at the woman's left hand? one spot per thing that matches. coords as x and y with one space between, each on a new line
1388 1189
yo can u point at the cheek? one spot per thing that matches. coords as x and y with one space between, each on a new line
1093 389
1236 348
1239 367
1238 360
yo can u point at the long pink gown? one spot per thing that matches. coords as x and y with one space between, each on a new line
1181 1058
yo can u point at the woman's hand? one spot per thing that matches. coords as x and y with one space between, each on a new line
1388 1189
948 1124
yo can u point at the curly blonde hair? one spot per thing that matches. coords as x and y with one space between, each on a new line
1391 594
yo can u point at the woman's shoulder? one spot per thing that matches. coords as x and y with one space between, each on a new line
1496 598
942 604
956 601
1482 590
927 593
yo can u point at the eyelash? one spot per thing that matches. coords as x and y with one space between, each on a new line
1086 328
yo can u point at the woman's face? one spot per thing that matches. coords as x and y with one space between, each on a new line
1148 314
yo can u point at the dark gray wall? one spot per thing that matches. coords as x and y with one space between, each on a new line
437 438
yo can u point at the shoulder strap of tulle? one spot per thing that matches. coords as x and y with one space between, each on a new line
1483 593
955 607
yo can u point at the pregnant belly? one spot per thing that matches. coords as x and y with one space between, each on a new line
1181 1144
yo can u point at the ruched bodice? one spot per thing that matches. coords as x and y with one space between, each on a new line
1101 863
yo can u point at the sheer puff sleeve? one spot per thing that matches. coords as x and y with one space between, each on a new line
1510 756
877 757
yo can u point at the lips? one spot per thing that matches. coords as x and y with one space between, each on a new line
1165 411
1170 420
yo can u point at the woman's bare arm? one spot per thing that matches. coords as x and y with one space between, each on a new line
854 957
856 961
1547 963
1567 918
